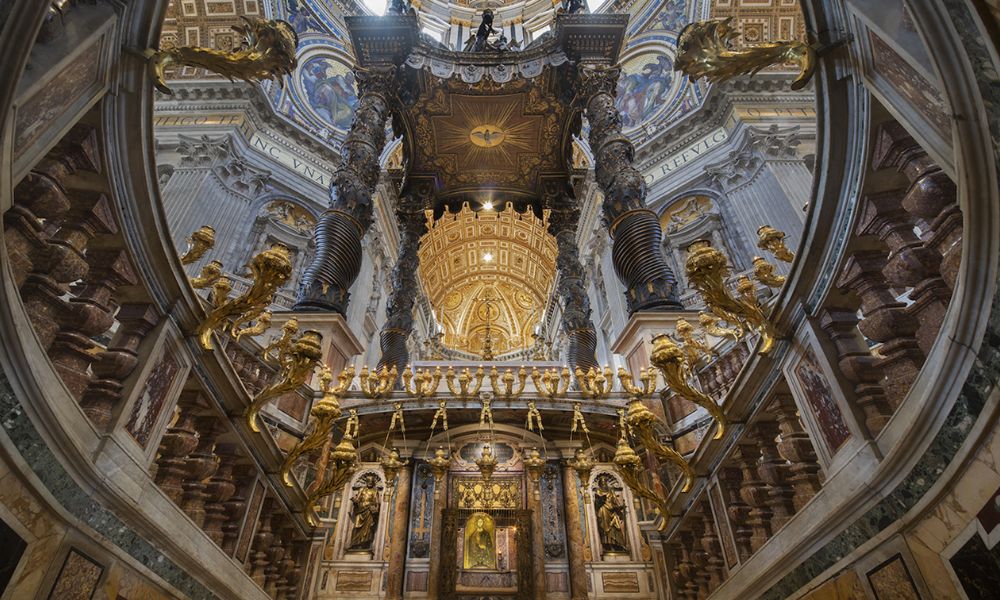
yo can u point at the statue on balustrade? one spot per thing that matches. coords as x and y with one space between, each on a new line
400 7
480 43
573 6
610 516
480 549
364 513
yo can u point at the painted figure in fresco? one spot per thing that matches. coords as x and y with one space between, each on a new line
364 514
301 18
641 94
331 94
610 517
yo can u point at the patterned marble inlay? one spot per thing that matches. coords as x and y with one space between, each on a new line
819 396
147 409
891 580
77 579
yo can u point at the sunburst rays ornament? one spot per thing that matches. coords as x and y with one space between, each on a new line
488 132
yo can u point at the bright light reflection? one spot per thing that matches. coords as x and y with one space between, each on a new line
487 205
375 6
488 257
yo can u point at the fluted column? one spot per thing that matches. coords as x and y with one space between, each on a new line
397 543
574 535
403 295
635 230
334 268
576 322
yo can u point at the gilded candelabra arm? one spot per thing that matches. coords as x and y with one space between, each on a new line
703 50
267 52
670 359
430 382
763 272
477 382
342 465
220 291
201 241
407 377
773 240
209 274
747 291
296 367
282 344
629 466
706 269
377 383
646 387
449 378
263 324
710 323
641 422
694 347
325 413
269 270
495 381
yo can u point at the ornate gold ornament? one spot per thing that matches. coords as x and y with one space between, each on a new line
583 466
763 272
710 323
262 324
296 365
422 383
703 51
325 413
277 347
694 345
595 383
706 269
578 420
209 274
201 241
641 422
441 414
391 465
469 384
508 391
269 270
773 240
377 383
486 413
629 466
550 383
353 426
486 462
643 390
397 418
533 464
267 52
220 291
439 467
343 463
534 418
671 360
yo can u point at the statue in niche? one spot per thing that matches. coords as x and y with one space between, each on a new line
480 547
610 516
364 513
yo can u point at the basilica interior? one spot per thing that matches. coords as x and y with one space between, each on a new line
487 299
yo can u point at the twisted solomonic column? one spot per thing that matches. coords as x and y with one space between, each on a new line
635 230
403 295
338 234
576 321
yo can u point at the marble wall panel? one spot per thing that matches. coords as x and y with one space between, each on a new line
250 521
146 411
819 396
891 580
554 535
722 524
620 582
416 581
78 577
421 512
978 569
354 581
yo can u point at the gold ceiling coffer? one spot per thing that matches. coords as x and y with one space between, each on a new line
635 230
267 52
707 269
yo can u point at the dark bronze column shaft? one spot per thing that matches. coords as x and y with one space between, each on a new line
635 230
403 295
338 234
572 290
